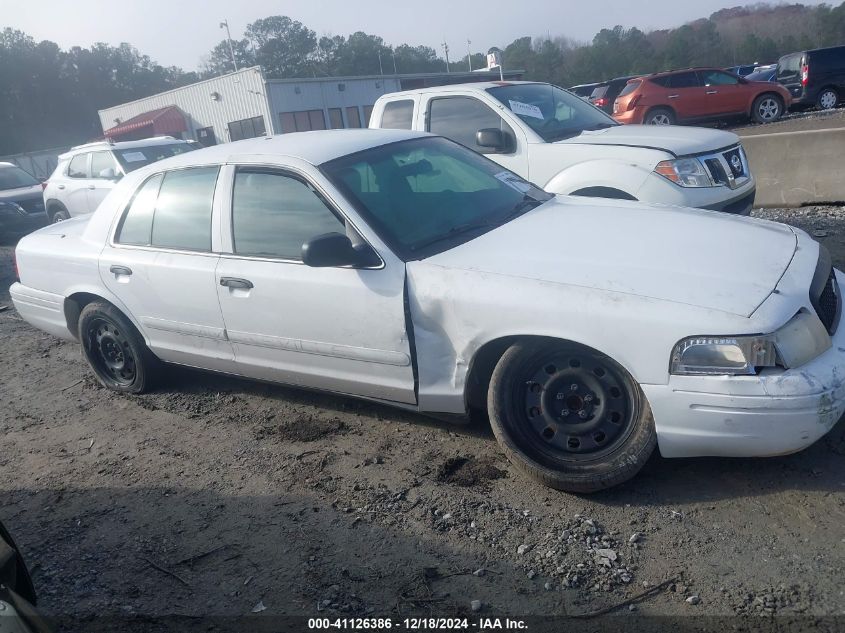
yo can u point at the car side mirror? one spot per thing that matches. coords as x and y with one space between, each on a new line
109 174
493 138
331 250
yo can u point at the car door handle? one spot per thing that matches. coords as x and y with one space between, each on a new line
712 92
120 270
235 282
61 186
673 96
92 187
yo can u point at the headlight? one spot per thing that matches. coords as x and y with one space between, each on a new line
686 172
799 341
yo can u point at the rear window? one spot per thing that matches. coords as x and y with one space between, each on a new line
137 224
599 92
789 67
14 177
136 157
630 87
398 115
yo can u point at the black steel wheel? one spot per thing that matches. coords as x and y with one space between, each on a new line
114 349
569 416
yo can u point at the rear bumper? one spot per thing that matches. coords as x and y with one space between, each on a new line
43 310
751 416
630 117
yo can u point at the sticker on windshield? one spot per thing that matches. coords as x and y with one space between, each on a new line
513 181
133 157
525 109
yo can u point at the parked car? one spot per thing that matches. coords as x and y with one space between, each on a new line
585 90
88 172
764 73
552 138
696 95
17 594
814 78
743 69
605 94
21 206
407 269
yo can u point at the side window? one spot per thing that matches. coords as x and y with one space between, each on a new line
78 167
459 118
274 214
137 225
684 80
398 115
717 78
101 161
183 211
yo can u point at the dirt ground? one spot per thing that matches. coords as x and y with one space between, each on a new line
217 496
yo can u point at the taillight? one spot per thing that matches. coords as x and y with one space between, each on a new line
805 74
43 185
601 102
633 102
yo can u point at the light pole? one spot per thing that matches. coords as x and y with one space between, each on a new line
446 50
225 24
469 55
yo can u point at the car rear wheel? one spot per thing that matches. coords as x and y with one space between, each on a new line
767 108
660 116
827 99
568 416
115 350
59 215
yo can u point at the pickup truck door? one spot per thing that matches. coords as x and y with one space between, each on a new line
340 329
161 263
459 116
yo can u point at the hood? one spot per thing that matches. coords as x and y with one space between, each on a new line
689 256
680 141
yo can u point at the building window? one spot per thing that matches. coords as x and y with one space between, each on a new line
368 112
353 118
302 121
336 118
247 128
206 136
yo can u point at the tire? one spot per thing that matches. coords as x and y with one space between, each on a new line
533 391
115 350
660 116
60 214
827 99
767 108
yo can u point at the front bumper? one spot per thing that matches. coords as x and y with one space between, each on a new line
751 416
739 201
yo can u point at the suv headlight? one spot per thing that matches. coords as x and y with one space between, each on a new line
686 172
802 339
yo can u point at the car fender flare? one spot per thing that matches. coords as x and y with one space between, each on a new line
609 174
106 295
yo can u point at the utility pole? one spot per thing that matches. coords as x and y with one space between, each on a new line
393 54
469 55
380 68
446 50
225 24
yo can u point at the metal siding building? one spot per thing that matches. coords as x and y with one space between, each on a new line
244 104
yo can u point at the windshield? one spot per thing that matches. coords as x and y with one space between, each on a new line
761 75
137 157
553 113
12 177
426 195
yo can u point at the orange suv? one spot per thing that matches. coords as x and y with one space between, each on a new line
699 94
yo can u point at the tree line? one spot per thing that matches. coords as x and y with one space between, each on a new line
50 96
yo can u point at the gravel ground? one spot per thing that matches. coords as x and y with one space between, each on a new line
220 496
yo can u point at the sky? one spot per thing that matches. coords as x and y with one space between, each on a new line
182 32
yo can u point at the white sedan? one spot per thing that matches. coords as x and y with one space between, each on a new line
404 268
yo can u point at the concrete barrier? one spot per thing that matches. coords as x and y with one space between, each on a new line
797 168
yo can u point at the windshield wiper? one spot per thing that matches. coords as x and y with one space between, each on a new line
526 204
599 126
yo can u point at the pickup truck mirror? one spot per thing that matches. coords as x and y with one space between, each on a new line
493 138
331 250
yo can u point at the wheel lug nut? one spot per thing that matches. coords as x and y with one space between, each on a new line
582 414
573 387
564 413
588 398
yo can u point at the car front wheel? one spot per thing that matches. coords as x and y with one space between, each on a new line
568 416
59 216
767 109
115 350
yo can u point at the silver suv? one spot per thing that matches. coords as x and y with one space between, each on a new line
88 172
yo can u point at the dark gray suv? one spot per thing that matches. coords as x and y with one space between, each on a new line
814 78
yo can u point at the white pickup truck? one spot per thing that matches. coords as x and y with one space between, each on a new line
552 138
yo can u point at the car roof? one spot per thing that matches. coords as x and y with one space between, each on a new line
478 86
315 147
109 145
683 70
